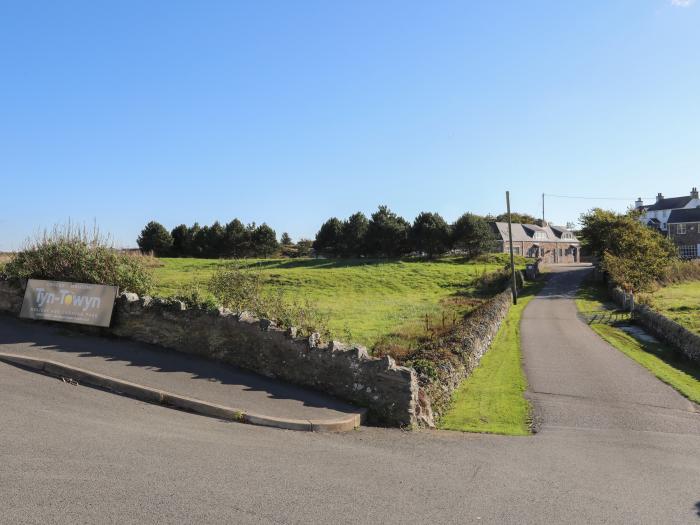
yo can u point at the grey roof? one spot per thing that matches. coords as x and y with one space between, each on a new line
671 203
686 215
526 232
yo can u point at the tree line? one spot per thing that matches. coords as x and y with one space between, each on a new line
383 234
386 234
234 240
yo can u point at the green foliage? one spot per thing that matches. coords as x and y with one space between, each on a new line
264 240
472 234
519 218
634 255
237 240
155 239
76 255
285 240
242 288
304 247
430 234
194 297
353 235
387 234
329 238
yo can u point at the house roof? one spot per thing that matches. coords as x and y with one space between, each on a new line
686 215
526 232
671 203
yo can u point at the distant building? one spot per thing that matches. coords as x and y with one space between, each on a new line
552 244
656 215
676 217
684 228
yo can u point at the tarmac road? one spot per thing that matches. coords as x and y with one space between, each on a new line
606 455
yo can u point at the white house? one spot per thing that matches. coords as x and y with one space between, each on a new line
657 214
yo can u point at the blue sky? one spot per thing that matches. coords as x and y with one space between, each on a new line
292 112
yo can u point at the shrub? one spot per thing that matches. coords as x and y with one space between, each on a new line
678 271
70 253
241 288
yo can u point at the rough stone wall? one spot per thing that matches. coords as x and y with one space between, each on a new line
390 392
661 326
463 351
394 395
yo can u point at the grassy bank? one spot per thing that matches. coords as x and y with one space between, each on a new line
680 302
492 399
372 302
660 359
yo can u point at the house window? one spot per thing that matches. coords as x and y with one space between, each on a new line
516 250
688 251
680 229
540 235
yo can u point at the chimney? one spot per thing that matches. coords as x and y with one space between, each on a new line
639 203
694 193
659 197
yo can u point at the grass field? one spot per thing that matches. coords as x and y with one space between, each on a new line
660 359
368 301
680 302
492 400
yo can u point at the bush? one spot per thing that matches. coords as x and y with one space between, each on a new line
678 271
241 288
70 253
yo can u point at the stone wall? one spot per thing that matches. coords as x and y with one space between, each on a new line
394 395
390 392
661 326
463 349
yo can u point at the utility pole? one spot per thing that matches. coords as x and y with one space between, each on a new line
513 283
543 210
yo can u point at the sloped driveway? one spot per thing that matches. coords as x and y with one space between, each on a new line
577 380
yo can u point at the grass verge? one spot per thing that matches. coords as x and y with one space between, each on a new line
660 359
492 399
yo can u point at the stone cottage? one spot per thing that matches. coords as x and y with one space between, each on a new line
552 244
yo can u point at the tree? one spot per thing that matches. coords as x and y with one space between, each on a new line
638 257
237 239
633 255
264 240
193 236
155 238
285 240
472 234
304 247
518 218
430 234
329 238
182 241
598 226
387 234
215 240
200 241
353 235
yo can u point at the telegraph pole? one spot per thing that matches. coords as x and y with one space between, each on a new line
513 283
543 210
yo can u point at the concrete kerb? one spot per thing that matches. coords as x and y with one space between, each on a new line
168 399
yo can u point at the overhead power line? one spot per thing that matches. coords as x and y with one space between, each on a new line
586 197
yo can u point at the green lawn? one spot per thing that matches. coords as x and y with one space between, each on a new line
492 400
680 302
660 359
366 300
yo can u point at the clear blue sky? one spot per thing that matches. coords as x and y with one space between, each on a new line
291 112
